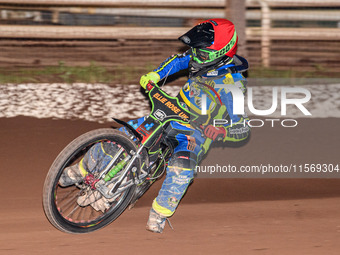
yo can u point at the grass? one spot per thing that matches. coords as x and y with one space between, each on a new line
93 73
61 73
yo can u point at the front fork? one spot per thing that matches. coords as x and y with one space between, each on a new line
107 175
108 185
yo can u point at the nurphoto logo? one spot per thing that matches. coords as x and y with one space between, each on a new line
238 105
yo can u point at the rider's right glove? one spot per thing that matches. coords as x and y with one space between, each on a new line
215 133
152 76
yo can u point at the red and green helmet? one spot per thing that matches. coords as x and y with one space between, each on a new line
211 40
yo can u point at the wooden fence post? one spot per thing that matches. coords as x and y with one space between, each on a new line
236 12
265 37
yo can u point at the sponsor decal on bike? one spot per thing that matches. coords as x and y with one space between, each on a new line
170 106
159 114
143 131
160 98
149 126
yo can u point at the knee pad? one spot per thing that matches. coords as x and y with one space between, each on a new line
183 160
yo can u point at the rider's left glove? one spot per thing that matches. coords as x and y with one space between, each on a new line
152 76
215 133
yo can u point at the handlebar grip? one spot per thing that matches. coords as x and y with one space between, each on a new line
149 86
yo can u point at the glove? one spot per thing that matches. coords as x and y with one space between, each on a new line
152 76
215 133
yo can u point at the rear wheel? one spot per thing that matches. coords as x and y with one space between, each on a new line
64 206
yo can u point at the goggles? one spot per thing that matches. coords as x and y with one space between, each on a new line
206 55
202 56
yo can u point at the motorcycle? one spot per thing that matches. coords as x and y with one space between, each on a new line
139 157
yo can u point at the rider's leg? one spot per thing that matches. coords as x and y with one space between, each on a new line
178 178
188 150
187 144
180 173
97 157
95 160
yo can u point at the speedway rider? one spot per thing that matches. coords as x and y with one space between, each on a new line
212 62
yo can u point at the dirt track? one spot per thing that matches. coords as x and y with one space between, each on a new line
217 216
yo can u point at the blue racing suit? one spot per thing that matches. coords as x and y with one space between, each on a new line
190 144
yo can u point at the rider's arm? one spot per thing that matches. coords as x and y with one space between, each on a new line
221 130
171 65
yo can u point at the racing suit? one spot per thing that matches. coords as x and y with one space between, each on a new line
189 143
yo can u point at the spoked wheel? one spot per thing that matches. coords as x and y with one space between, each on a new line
76 205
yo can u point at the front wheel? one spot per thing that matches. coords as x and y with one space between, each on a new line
79 207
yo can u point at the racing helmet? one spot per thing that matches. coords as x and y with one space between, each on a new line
211 41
